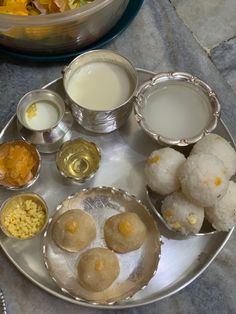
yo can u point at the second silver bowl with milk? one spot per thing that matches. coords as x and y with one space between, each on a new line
100 86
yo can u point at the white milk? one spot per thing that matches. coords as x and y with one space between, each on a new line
44 115
177 111
99 86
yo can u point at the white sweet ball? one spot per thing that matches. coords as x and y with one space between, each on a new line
181 214
203 179
222 215
161 170
218 146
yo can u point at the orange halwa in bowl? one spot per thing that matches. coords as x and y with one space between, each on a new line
20 164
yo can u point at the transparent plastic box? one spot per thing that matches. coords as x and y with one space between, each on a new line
60 32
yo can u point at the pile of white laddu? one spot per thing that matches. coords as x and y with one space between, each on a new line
196 187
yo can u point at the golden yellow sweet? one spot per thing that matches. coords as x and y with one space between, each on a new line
124 232
74 230
23 218
97 269
17 163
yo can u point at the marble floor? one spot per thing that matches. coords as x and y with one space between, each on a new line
196 36
213 24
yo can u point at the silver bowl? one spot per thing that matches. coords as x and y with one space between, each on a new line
78 160
101 121
35 170
181 80
13 200
50 139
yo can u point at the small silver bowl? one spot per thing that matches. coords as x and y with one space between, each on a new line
10 206
157 113
46 134
99 120
78 160
34 171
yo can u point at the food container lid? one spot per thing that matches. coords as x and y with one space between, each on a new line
176 108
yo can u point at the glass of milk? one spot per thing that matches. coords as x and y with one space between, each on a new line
100 86
42 119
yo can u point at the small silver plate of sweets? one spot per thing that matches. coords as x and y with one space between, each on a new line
96 151
102 245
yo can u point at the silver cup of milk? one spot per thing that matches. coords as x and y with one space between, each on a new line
42 119
100 86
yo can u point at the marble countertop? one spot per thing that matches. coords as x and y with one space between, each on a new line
159 40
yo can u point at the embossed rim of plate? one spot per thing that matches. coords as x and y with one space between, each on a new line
157 212
125 195
181 77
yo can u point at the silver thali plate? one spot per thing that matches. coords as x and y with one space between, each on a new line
124 153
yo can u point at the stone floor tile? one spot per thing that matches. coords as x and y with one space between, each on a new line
224 58
211 21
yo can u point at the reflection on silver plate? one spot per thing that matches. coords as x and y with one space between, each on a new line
155 201
136 267
124 154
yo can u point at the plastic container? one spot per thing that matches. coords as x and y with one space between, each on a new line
60 32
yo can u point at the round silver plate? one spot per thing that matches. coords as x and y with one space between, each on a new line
124 154
136 267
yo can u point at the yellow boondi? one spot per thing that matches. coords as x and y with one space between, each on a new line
99 265
218 181
125 228
153 160
24 219
192 219
72 226
31 111
167 214
175 225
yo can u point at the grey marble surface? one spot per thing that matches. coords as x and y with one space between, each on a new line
224 57
157 40
211 21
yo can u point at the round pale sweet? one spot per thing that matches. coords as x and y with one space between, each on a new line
222 215
98 268
161 170
74 230
124 232
216 145
203 179
181 214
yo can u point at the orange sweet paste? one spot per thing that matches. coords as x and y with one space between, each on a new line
16 164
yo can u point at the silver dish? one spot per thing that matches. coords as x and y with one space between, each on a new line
26 196
48 140
136 268
163 80
35 171
80 153
101 121
124 154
